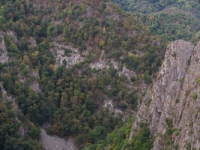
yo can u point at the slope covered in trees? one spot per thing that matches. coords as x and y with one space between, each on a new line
77 99
172 19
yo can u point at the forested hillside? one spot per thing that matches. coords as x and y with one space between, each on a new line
172 19
77 68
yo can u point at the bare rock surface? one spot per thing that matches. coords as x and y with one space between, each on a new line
55 142
89 12
5 96
102 63
109 104
128 73
34 84
172 97
3 50
32 42
11 33
73 56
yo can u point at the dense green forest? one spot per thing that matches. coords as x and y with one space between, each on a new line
172 19
71 99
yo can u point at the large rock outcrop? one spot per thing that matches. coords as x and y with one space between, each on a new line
175 98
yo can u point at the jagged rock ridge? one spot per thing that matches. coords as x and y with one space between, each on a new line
174 97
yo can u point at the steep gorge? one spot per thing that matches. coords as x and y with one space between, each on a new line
78 66
86 72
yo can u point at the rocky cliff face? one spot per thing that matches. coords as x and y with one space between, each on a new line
171 106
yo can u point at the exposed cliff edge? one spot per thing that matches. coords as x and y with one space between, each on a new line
171 106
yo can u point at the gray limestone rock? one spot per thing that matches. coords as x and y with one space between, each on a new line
172 97
32 42
11 33
73 57
55 142
89 12
3 50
